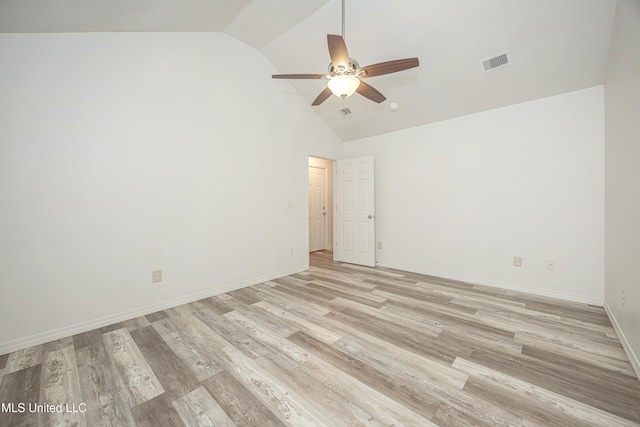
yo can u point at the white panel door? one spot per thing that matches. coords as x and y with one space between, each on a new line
317 209
354 222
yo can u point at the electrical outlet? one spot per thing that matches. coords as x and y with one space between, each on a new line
551 264
156 276
379 245
517 261
291 251
623 298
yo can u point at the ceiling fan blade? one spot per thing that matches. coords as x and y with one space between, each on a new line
388 67
326 93
338 51
299 76
370 92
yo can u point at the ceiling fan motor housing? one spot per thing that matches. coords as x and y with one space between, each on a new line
341 71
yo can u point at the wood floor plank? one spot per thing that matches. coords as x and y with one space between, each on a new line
60 385
231 333
300 296
375 408
22 359
17 388
424 328
174 375
566 341
272 322
131 365
245 296
94 336
181 310
460 323
242 407
86 339
109 400
424 405
425 345
582 369
429 308
158 315
582 312
156 412
469 340
3 360
57 345
463 409
293 303
303 295
340 281
365 297
288 407
550 321
299 323
217 305
426 376
326 406
290 280
555 331
373 347
197 408
276 342
615 365
531 400
402 284
192 348
549 377
476 300
304 276
532 412
227 300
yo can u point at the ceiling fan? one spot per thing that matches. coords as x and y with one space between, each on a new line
345 74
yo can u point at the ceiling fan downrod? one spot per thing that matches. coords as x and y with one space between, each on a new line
343 34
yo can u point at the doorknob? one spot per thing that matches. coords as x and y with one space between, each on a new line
370 216
324 213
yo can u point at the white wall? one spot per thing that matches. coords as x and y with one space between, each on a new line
460 198
622 178
124 153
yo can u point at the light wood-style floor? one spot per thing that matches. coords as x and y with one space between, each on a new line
337 345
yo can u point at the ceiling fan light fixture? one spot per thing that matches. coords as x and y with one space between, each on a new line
345 72
343 86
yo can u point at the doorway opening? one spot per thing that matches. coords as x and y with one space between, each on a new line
320 194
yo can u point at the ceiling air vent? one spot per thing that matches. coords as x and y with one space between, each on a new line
344 111
498 61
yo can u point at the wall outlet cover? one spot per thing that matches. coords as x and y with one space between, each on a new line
156 276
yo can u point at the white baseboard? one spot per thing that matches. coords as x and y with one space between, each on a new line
503 285
44 337
633 358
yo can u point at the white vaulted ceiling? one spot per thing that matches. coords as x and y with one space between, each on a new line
555 46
